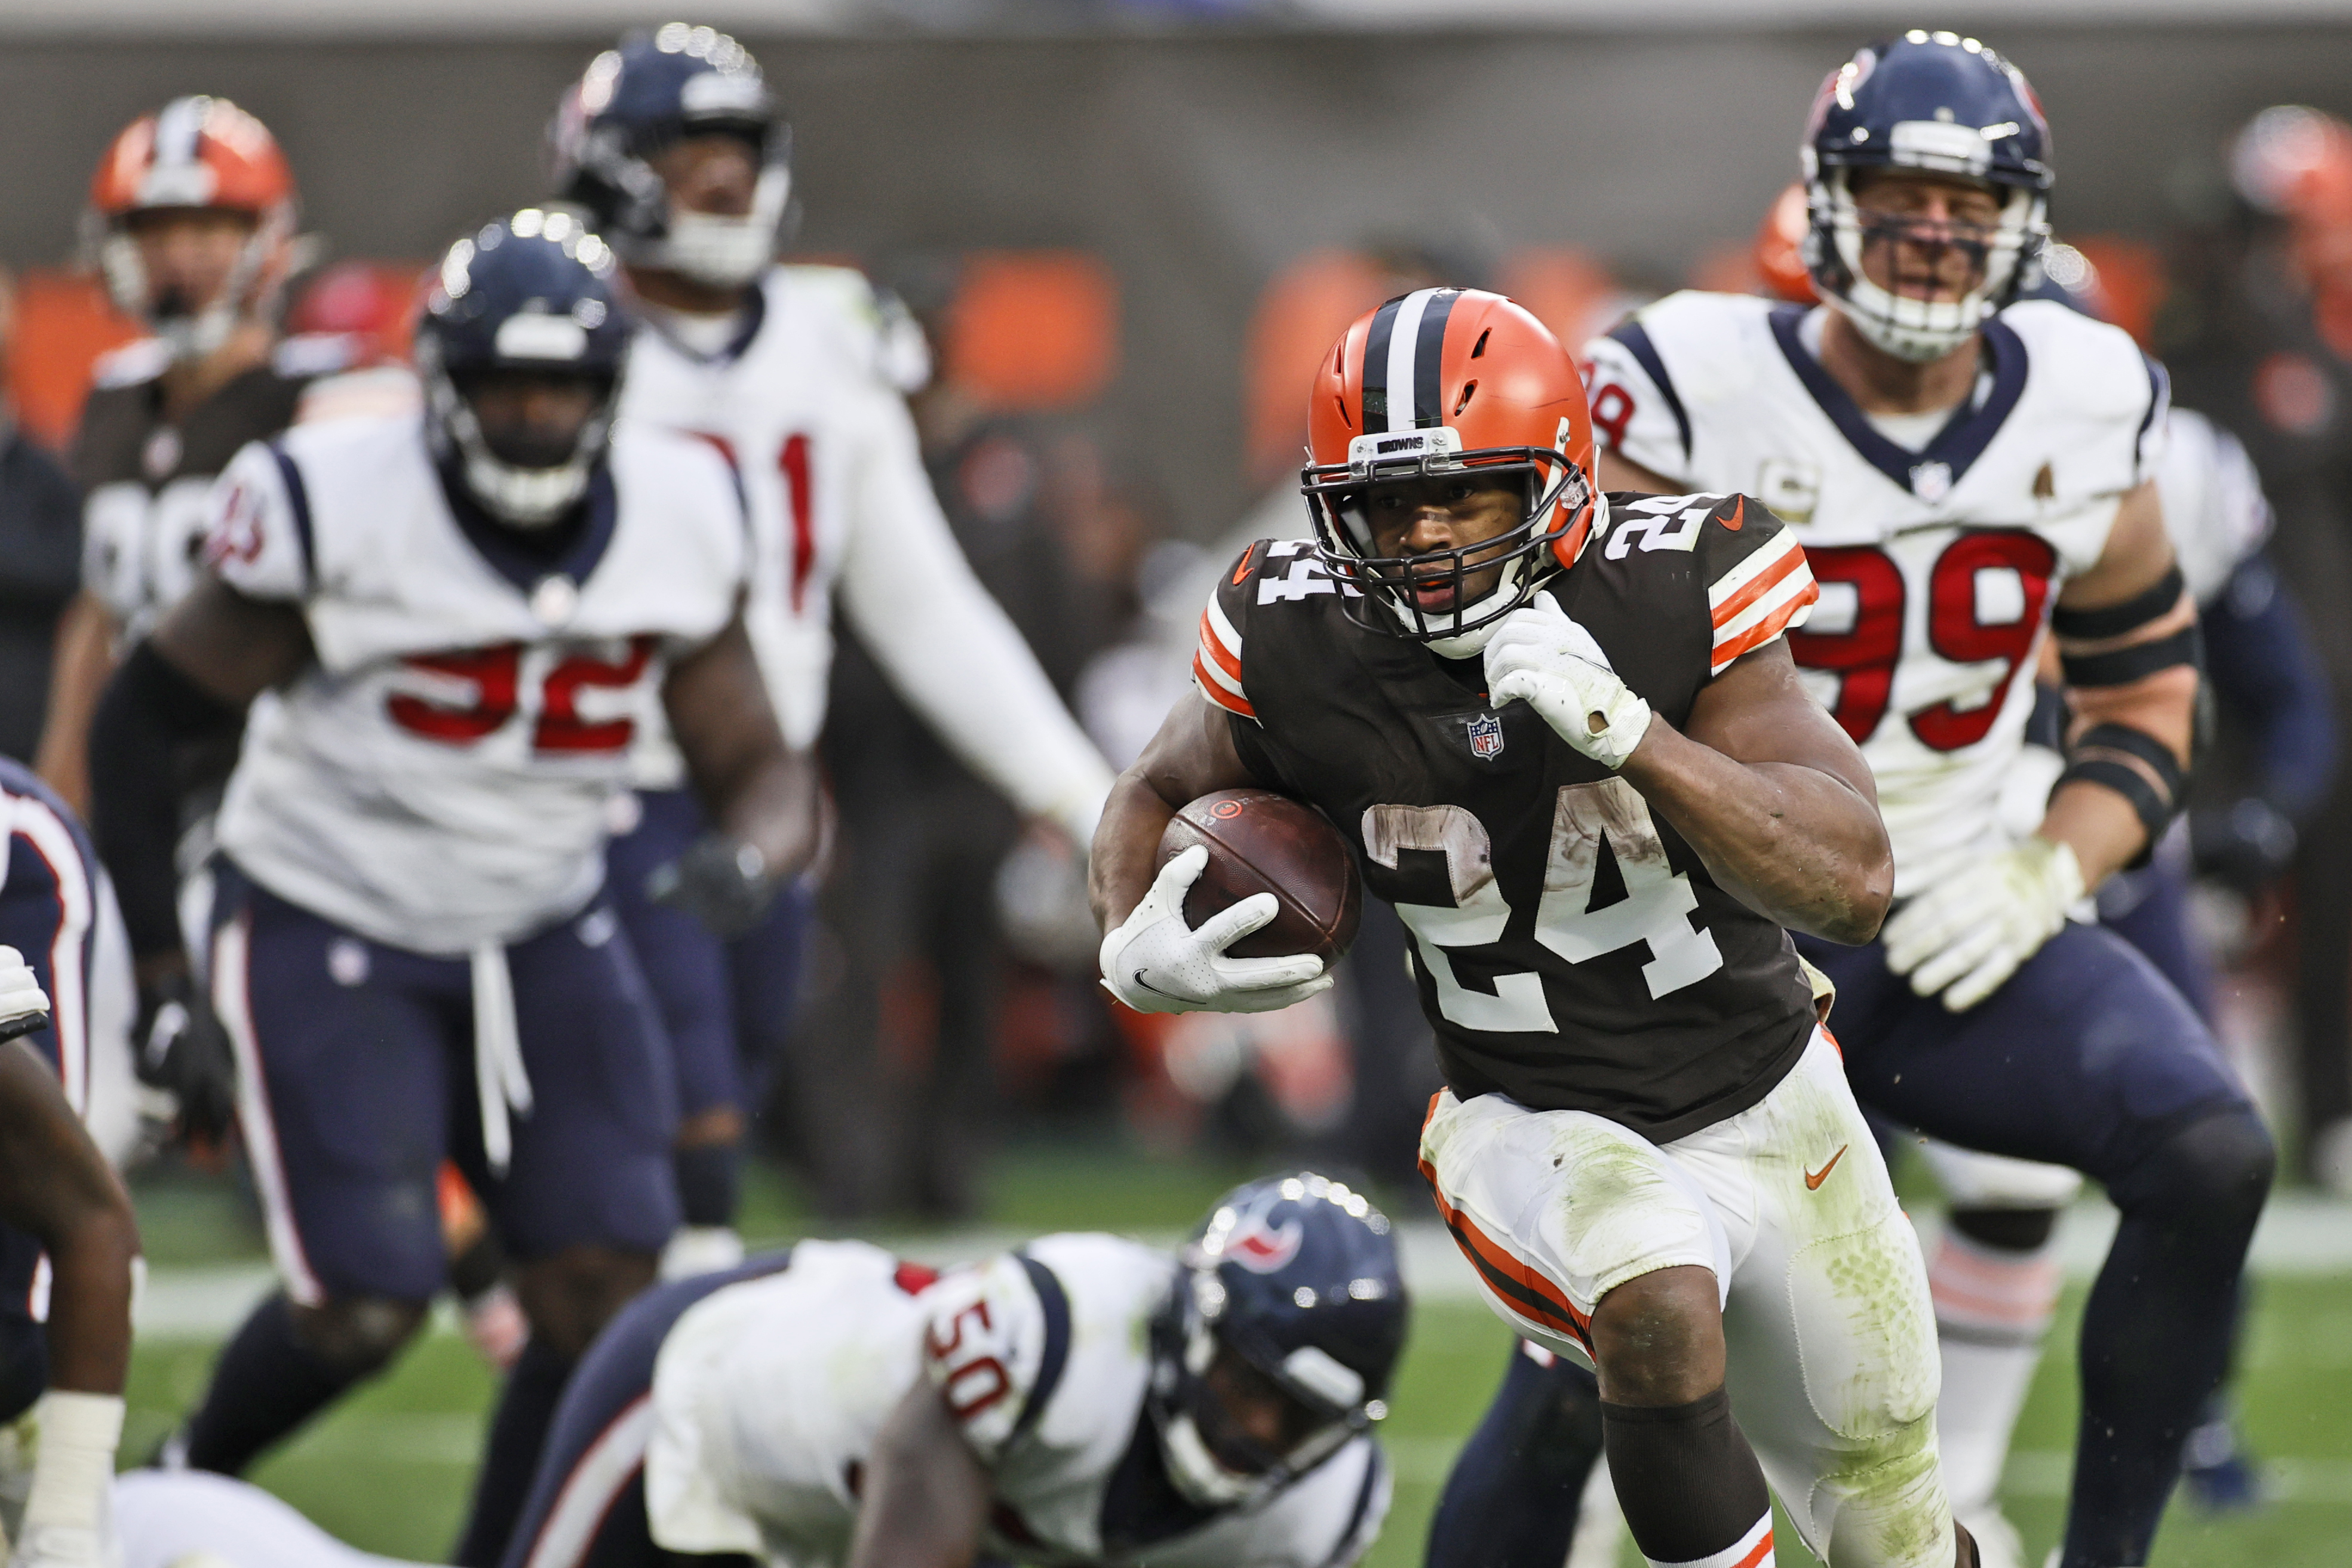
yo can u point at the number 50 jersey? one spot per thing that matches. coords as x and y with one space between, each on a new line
1571 950
439 777
1938 567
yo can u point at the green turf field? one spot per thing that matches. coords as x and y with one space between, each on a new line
389 1471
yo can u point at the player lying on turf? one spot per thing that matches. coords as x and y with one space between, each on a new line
1565 736
59 1199
1082 1399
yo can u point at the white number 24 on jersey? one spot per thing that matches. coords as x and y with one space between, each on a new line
1655 910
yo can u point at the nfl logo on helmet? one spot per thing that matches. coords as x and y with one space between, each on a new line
1485 738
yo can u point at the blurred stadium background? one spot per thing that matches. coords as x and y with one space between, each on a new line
1129 225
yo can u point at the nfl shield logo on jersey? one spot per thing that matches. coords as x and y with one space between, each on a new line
1485 734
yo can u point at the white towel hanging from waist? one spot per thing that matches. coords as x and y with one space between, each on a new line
500 1081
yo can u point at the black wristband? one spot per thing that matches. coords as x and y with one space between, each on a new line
2106 754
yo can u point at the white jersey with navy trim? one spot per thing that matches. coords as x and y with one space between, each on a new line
809 404
57 907
2214 507
441 776
768 1396
193 1518
1938 567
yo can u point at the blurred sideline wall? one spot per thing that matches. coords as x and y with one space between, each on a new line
1196 166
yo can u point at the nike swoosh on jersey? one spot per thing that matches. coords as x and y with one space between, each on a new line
1813 1179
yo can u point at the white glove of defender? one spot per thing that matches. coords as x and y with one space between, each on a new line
68 1522
1155 964
24 1006
1542 658
1967 934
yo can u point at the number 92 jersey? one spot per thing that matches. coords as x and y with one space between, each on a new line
440 776
1571 950
1938 567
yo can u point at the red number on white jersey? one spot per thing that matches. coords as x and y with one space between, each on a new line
495 674
971 1382
1863 657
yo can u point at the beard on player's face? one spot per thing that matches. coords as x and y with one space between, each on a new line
1441 513
1925 236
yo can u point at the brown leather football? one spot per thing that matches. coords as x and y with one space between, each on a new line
1260 842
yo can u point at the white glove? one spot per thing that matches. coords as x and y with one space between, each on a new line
1155 964
24 1006
68 1523
1967 934
1540 657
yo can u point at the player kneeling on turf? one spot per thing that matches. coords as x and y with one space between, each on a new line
1564 734
1083 1398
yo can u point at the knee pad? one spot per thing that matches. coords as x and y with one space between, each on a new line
2217 1167
357 1334
2010 1229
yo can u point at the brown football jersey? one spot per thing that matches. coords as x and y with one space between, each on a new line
1570 948
145 478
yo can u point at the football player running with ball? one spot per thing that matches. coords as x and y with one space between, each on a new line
456 614
1967 478
1563 734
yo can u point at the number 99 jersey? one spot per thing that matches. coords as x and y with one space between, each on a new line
1938 567
1571 950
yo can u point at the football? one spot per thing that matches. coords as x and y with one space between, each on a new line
1259 842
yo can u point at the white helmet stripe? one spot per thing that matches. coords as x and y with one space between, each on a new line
1405 338
178 125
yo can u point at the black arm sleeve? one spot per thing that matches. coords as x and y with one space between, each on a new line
147 718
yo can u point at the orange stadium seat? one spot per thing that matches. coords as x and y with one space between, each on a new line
1032 330
1310 302
63 322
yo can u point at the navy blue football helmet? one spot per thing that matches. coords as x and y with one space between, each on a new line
1296 1276
1939 102
530 294
631 102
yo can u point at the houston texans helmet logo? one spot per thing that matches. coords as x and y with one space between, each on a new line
1261 1248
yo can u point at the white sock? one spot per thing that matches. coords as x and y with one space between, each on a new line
1753 1550
1992 1308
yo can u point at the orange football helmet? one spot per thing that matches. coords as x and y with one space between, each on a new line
1780 248
1447 382
194 152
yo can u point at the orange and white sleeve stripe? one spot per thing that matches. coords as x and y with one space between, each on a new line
1760 598
1217 663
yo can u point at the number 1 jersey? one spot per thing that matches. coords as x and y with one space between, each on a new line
441 775
1571 950
1937 566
